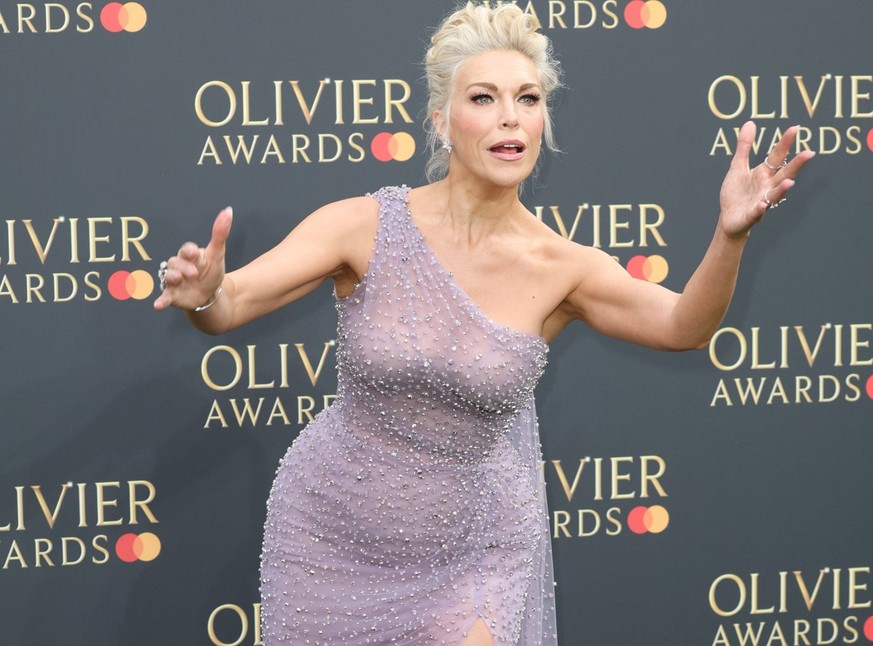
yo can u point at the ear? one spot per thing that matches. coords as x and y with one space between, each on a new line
439 124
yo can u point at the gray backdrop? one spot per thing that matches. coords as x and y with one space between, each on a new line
714 497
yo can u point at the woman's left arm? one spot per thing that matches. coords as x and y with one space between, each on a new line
611 301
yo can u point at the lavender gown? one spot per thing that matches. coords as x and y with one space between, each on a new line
415 504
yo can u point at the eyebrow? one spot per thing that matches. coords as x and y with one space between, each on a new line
494 88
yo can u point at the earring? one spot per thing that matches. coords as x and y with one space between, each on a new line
447 146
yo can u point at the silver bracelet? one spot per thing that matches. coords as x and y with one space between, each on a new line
211 302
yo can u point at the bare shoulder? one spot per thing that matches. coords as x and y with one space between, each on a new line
576 276
348 216
572 259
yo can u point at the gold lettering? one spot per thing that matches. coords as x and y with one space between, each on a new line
569 490
741 97
102 503
754 609
141 504
854 587
854 344
209 150
307 364
237 362
857 95
41 251
246 104
808 598
307 110
392 104
804 94
358 101
741 594
50 516
93 239
617 476
231 104
615 225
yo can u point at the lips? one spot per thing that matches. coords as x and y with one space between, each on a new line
508 150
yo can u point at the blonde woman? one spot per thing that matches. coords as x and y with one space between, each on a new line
412 510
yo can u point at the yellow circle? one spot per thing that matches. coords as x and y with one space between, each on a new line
136 16
655 14
657 519
140 284
151 546
405 146
656 268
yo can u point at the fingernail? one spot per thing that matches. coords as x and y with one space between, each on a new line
229 208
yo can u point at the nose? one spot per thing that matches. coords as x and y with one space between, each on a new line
508 118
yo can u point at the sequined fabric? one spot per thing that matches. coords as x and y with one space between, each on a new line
414 505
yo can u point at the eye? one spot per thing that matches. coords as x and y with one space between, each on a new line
530 99
481 98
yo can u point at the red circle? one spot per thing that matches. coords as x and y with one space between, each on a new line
633 14
124 548
381 146
118 285
870 139
636 520
110 17
868 628
870 386
636 267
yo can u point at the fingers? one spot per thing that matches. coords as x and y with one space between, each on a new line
180 274
775 195
745 139
220 231
193 264
792 168
776 158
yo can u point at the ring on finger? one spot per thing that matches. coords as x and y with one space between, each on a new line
772 205
162 275
775 168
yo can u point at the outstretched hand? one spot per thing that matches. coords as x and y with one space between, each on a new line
194 274
746 192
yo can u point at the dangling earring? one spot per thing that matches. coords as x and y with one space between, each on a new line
447 146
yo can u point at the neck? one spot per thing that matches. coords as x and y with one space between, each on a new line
476 209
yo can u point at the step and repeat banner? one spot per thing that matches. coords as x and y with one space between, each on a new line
718 497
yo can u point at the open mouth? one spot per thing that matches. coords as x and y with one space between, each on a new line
507 148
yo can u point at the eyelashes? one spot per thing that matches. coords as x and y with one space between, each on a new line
483 98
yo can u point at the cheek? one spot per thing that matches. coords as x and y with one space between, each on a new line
537 123
468 125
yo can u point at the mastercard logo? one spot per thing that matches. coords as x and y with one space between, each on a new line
131 284
138 547
130 16
399 146
652 268
868 629
649 15
870 139
653 520
869 387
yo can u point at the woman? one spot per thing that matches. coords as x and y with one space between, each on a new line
412 510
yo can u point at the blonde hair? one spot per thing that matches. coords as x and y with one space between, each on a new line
475 29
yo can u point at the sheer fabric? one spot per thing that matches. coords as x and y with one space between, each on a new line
415 504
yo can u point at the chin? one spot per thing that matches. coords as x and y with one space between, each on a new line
509 181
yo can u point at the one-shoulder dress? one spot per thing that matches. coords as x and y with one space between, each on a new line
414 505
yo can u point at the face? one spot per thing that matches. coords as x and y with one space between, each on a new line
496 119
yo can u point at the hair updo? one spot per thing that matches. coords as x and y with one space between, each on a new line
472 30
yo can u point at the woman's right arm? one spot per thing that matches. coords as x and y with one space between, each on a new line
336 240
